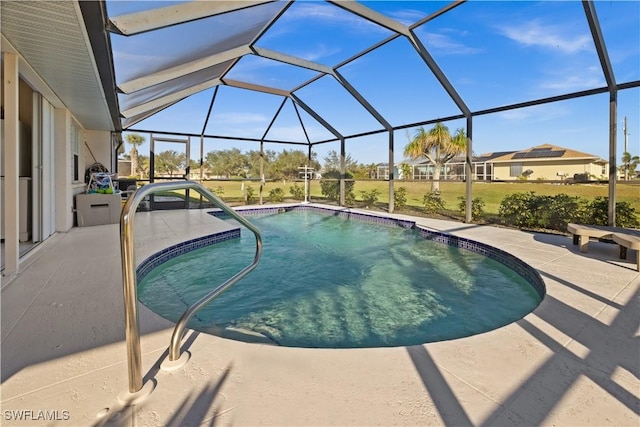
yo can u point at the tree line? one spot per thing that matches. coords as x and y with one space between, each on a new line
233 163
438 145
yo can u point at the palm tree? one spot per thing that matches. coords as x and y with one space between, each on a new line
134 140
629 165
438 146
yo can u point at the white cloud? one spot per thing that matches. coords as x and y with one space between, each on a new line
287 133
320 51
329 14
446 45
450 46
574 82
407 16
534 33
515 115
535 114
232 118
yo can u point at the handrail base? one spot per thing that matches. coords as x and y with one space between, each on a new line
173 365
126 398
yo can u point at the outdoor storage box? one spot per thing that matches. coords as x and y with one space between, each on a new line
98 209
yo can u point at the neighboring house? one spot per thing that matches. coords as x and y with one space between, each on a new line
422 169
382 171
548 162
544 162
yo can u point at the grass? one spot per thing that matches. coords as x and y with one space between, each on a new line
491 193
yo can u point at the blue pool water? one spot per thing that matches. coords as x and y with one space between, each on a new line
332 282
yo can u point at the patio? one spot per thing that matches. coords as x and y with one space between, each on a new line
572 361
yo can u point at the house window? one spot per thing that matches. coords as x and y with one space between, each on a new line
604 170
516 169
75 154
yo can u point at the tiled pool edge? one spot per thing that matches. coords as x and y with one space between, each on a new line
529 273
154 260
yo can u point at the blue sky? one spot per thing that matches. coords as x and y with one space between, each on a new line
493 53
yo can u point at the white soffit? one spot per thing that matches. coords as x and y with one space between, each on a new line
51 37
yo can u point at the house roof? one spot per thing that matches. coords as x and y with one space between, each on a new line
545 152
482 158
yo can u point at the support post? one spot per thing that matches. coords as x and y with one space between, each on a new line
261 169
11 164
391 172
342 171
468 217
613 167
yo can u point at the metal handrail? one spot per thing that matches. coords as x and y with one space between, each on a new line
132 327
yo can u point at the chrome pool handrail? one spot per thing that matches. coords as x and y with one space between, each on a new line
132 327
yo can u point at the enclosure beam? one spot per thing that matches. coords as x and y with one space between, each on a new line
605 63
372 16
438 73
256 88
343 167
264 135
316 116
183 69
131 121
292 60
213 101
367 106
148 20
331 129
304 128
261 170
391 173
168 99
468 217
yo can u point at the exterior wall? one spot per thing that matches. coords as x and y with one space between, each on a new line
100 144
550 170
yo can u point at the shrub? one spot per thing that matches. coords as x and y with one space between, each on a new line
400 197
477 207
433 202
297 192
597 213
276 195
370 197
249 194
218 191
519 209
330 186
559 210
529 210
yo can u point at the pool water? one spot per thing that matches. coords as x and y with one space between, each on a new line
331 282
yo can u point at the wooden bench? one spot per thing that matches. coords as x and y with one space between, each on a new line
581 233
628 241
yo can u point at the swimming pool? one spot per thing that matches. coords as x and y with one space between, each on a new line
329 280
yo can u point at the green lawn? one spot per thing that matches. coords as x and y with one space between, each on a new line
491 193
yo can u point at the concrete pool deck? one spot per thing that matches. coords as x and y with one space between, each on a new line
575 360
